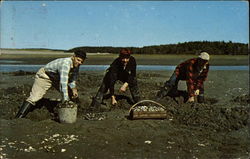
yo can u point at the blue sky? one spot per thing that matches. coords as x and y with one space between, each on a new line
69 24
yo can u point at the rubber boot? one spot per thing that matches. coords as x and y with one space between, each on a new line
163 92
134 90
97 100
24 110
95 103
168 86
200 98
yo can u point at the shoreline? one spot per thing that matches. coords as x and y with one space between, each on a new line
45 56
216 60
5 68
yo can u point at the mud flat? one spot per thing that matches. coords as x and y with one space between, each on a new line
219 128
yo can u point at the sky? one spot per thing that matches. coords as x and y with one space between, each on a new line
69 24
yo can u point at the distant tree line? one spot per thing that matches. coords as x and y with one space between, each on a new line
216 48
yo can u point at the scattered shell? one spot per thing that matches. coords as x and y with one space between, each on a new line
29 149
201 145
171 142
50 143
63 150
3 156
55 135
147 142
11 143
94 116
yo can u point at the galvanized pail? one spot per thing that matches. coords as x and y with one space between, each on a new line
68 113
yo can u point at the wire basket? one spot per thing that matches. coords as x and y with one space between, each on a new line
147 109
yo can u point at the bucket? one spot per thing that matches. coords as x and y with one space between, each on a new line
67 114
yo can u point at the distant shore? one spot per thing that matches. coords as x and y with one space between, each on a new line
45 56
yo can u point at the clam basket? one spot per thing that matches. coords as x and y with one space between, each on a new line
147 109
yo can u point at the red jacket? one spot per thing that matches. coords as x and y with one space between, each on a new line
193 74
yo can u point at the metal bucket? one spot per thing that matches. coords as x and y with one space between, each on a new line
67 114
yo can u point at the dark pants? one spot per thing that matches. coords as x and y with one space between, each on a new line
133 87
171 88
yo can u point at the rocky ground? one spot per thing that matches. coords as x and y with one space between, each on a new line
218 128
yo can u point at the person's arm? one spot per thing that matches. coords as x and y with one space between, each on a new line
112 73
202 77
64 76
73 78
132 70
72 83
190 81
112 76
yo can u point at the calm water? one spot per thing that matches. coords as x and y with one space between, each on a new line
9 61
34 68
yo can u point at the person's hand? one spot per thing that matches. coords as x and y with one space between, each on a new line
113 100
74 93
191 99
65 102
124 87
197 92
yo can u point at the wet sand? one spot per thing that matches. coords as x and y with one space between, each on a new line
219 128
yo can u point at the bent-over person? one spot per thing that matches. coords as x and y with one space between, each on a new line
61 74
194 71
123 69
